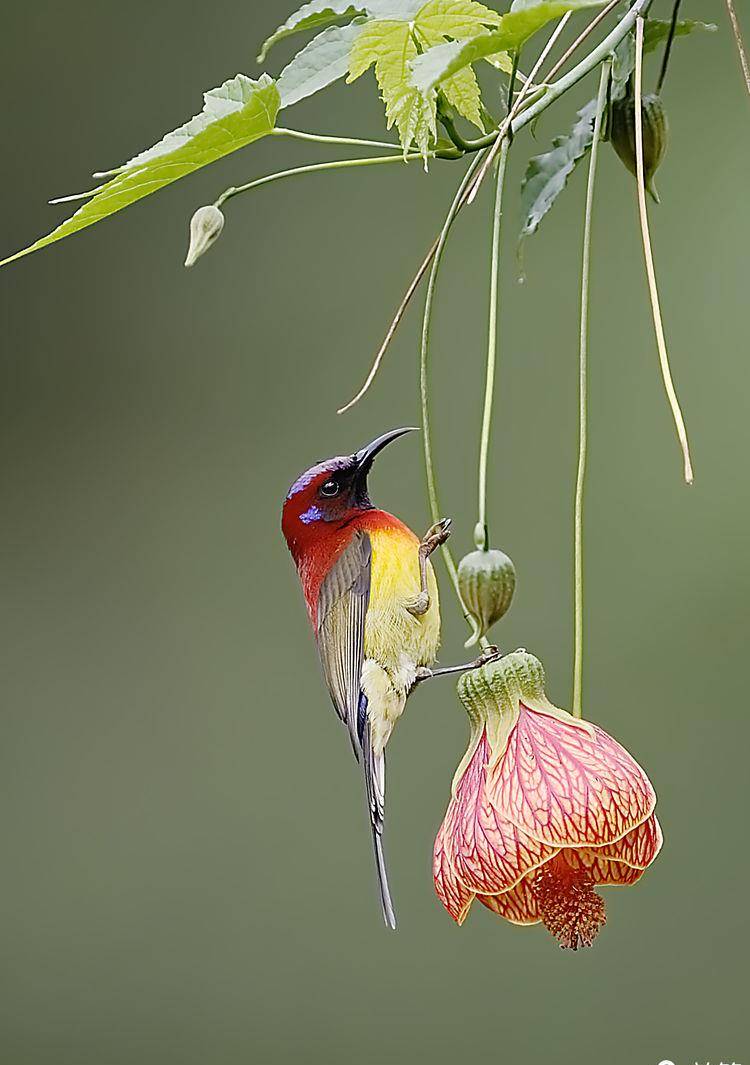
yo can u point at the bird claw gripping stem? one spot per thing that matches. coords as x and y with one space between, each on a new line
436 535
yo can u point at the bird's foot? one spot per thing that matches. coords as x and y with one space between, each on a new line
436 535
419 604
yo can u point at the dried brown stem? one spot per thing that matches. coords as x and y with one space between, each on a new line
661 343
739 42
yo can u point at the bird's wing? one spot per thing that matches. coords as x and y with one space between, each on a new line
342 604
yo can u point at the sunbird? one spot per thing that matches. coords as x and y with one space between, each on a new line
372 598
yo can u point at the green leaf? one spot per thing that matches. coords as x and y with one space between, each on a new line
547 175
324 60
441 19
313 16
523 20
454 18
655 33
390 47
238 112
403 10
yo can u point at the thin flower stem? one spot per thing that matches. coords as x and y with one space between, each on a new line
668 46
583 361
489 387
325 138
548 95
739 42
648 255
432 492
335 164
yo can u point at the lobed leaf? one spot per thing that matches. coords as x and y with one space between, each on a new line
547 175
312 16
237 113
390 47
440 19
454 18
523 20
321 62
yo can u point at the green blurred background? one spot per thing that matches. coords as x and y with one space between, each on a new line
187 875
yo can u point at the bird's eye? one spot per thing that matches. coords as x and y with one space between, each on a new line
329 489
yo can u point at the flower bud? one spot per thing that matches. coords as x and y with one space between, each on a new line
655 136
205 228
487 580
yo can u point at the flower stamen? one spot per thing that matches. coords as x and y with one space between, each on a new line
570 908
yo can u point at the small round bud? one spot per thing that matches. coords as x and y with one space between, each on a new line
655 136
205 227
487 580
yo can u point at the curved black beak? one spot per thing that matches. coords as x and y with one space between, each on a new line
365 456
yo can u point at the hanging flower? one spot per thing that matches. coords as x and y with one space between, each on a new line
545 808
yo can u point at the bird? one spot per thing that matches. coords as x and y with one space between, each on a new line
372 599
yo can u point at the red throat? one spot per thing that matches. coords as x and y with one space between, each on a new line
316 545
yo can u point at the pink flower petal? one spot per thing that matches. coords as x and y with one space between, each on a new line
456 898
567 784
519 905
623 862
488 852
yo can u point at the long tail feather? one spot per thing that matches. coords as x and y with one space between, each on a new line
389 914
374 770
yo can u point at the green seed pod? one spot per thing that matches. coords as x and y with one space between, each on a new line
487 580
655 135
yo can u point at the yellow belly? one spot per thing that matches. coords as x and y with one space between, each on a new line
394 638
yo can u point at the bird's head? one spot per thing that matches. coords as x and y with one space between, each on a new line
331 493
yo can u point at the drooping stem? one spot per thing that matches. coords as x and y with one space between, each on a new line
489 386
547 96
335 164
400 312
739 42
668 46
432 492
326 138
583 359
661 343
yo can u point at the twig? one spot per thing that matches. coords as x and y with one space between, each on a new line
489 387
423 388
335 164
583 356
650 272
413 286
739 42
